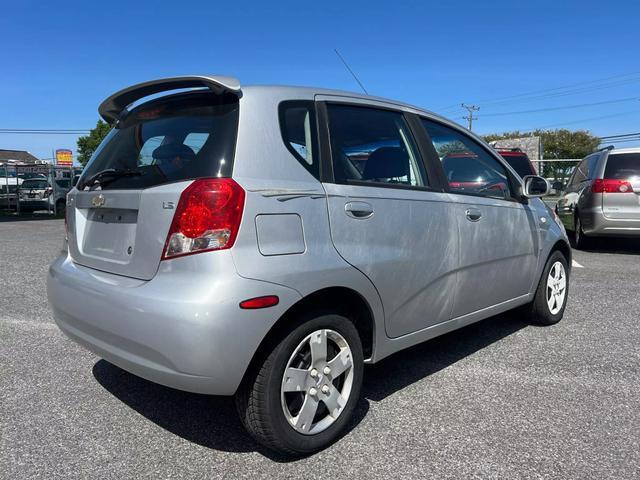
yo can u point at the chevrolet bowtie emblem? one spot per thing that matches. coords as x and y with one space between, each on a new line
98 201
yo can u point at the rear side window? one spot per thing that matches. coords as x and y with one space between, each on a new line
298 127
373 146
468 166
623 166
580 174
173 138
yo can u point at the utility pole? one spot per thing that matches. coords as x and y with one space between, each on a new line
470 117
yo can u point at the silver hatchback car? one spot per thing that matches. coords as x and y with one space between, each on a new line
602 198
267 242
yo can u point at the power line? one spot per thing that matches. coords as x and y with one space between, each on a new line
351 71
559 91
470 117
622 135
583 120
565 107
44 131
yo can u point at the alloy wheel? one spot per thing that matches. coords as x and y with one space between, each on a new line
556 287
317 381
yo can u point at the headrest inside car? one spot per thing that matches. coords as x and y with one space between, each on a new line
172 150
386 162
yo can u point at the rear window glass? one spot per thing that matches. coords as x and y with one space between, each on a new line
174 138
520 163
298 127
623 166
34 184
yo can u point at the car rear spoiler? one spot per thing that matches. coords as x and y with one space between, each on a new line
112 108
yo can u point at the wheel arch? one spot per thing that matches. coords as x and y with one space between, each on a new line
339 300
563 247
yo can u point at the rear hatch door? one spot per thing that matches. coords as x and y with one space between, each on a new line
623 205
118 222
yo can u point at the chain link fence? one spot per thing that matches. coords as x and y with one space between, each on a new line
45 190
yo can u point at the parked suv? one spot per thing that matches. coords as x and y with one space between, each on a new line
35 193
267 242
518 160
602 197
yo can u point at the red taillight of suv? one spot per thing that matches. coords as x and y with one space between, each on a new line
207 218
607 185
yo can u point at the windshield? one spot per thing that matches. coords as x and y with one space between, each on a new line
174 138
34 184
520 163
623 166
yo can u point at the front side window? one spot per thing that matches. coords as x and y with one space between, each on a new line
298 127
170 139
468 166
373 146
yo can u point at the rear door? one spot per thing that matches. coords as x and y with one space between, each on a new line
119 224
387 218
622 199
497 235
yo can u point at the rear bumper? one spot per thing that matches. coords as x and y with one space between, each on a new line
596 224
35 204
183 329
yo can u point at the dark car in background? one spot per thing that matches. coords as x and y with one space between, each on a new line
518 160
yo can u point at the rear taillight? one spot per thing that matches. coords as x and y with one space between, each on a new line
607 185
207 217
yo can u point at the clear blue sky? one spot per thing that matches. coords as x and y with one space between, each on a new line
60 59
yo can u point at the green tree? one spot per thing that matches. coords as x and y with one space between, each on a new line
88 143
561 143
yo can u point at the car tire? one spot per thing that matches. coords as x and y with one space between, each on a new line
551 296
273 407
61 206
580 240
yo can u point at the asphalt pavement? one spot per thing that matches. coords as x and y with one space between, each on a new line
499 399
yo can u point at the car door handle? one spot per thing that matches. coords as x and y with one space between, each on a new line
473 214
359 210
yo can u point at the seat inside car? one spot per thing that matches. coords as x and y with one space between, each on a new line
387 163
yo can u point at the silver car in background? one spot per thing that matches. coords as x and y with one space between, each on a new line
35 194
602 197
267 242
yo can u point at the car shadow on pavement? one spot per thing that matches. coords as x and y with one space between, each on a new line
209 421
212 422
621 246
27 217
416 363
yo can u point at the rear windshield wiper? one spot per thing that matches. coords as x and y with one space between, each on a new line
109 175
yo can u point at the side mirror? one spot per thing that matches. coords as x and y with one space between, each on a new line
535 186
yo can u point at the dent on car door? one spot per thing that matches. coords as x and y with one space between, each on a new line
498 237
384 219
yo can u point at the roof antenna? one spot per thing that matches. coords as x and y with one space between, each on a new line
351 71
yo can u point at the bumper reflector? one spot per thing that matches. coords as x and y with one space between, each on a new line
259 302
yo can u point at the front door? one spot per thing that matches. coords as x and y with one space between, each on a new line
498 235
386 220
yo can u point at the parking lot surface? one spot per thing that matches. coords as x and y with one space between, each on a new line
498 399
